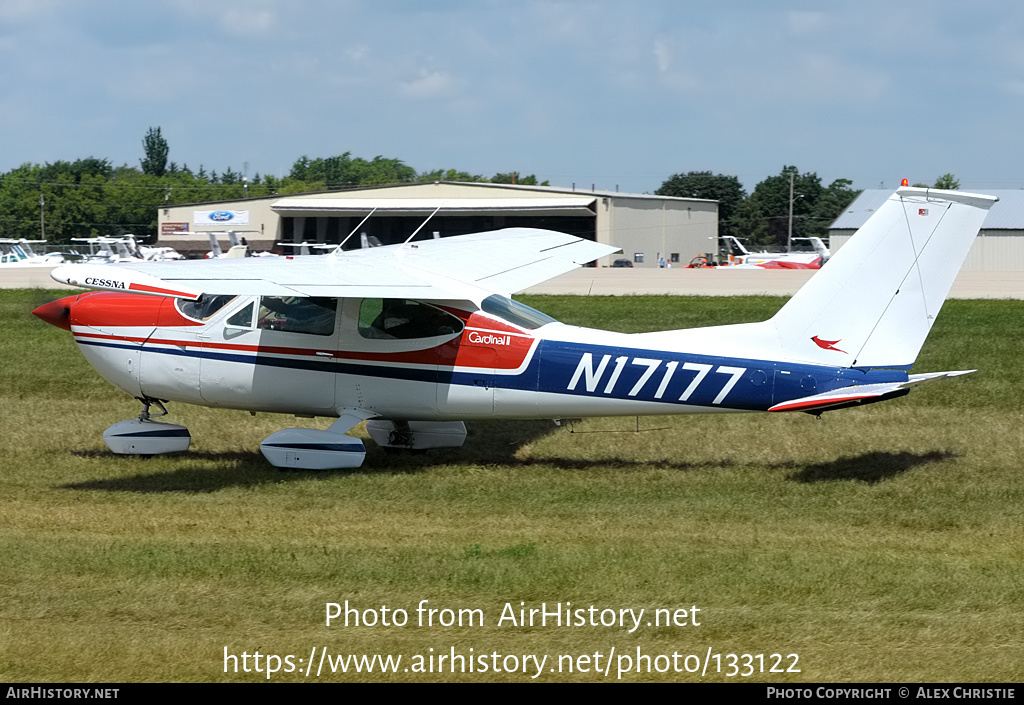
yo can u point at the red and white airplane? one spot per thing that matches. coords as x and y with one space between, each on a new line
414 339
745 259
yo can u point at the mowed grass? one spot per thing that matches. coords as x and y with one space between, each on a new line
879 544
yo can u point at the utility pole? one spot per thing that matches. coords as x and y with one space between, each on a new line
789 235
42 217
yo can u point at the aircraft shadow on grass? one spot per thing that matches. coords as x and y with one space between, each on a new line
495 443
870 468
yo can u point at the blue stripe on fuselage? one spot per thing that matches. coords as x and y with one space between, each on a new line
704 380
581 369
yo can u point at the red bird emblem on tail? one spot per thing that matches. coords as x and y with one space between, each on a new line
827 344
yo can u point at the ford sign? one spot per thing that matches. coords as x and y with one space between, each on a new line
221 216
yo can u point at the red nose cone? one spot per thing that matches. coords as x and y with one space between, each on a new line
57 313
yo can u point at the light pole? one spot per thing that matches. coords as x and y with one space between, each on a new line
789 234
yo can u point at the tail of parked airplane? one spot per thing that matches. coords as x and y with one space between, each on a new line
874 302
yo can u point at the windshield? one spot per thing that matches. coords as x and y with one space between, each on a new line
203 307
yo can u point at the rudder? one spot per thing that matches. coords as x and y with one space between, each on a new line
874 302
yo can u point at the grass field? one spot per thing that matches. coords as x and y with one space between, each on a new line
877 544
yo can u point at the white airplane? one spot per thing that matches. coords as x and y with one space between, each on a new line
125 248
237 247
19 253
414 339
779 260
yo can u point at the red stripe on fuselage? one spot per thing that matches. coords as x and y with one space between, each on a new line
453 353
449 354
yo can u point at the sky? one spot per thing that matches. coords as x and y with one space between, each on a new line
596 93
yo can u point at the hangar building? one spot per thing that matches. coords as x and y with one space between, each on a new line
998 248
647 228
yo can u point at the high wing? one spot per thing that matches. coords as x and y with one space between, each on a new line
860 394
465 267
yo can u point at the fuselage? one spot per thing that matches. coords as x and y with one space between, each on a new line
412 360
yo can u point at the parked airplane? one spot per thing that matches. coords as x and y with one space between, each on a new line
415 338
237 248
778 260
124 248
19 253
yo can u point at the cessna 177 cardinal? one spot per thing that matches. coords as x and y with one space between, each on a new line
414 339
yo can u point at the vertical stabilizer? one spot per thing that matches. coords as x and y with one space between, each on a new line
874 302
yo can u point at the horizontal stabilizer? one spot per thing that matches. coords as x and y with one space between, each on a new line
861 394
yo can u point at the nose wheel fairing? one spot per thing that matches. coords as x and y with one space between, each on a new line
144 436
138 437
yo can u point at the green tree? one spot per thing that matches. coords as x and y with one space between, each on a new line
727 190
20 190
514 177
344 171
75 205
830 204
764 215
450 175
155 148
946 181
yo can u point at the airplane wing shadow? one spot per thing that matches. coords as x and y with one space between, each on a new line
200 472
495 444
870 468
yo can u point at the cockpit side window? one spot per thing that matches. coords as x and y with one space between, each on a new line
515 313
297 314
204 307
402 319
243 317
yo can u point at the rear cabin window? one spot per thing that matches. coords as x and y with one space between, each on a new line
401 319
515 313
297 314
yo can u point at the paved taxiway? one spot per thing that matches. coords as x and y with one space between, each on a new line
690 282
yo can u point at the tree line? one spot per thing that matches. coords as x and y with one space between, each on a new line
788 199
91 197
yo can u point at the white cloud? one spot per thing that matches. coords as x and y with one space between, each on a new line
357 52
669 72
247 21
662 56
802 22
428 85
26 10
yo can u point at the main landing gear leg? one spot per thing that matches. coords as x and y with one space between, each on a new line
143 436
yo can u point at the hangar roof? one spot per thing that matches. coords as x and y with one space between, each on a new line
562 205
1006 214
524 192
